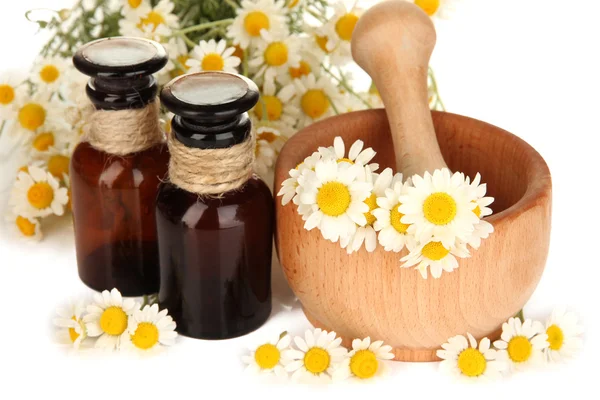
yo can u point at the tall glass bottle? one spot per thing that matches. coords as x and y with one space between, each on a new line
215 250
114 191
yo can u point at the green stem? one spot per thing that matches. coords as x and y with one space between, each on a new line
318 16
345 85
245 63
335 110
435 89
283 334
2 127
520 315
232 4
205 25
187 40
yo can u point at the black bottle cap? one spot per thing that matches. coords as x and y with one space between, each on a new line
121 69
210 108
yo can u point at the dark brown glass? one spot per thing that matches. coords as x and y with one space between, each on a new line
113 197
215 257
114 217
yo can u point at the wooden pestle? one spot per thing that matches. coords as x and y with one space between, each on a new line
393 42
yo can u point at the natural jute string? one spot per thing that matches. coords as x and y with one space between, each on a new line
124 132
210 172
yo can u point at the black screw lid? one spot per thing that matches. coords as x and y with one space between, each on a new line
121 69
210 108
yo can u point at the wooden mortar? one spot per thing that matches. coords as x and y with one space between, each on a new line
368 294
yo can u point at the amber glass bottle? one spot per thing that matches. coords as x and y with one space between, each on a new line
215 251
113 195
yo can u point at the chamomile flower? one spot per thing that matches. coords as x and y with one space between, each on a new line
434 255
9 90
33 112
26 227
148 330
56 160
336 198
253 17
365 360
290 188
155 24
563 334
50 72
267 358
50 135
356 154
178 58
265 156
437 8
292 4
339 32
70 320
393 233
213 56
316 98
318 355
135 8
367 234
37 193
468 360
108 318
275 107
522 344
273 57
310 62
481 229
439 207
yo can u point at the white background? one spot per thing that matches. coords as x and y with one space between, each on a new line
529 66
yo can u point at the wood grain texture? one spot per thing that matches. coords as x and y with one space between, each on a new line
368 294
393 42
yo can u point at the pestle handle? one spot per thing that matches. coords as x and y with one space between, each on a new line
393 42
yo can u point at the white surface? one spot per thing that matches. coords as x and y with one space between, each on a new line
527 66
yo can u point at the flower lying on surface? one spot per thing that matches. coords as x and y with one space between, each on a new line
522 343
563 333
466 359
435 256
149 329
364 361
267 357
37 194
318 355
70 320
28 228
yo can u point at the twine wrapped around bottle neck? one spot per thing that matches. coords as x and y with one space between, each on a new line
124 132
211 172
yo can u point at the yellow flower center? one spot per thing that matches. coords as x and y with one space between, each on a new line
49 73
268 136
303 70
371 201
322 42
396 220
40 195
314 103
72 333
26 227
145 336
276 54
7 94
346 160
345 26
556 337
58 165
471 362
477 211
267 356
255 22
519 349
113 321
272 104
153 18
364 364
43 141
32 116
213 62
333 198
434 251
182 69
429 6
293 3
134 3
439 208
24 168
316 360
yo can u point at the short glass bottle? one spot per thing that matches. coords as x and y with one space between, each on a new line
113 195
215 250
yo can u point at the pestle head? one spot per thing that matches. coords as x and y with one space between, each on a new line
393 42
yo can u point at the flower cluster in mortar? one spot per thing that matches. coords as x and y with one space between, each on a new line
318 357
523 344
437 216
115 323
297 51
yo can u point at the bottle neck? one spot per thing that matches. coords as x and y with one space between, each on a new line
122 94
213 134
